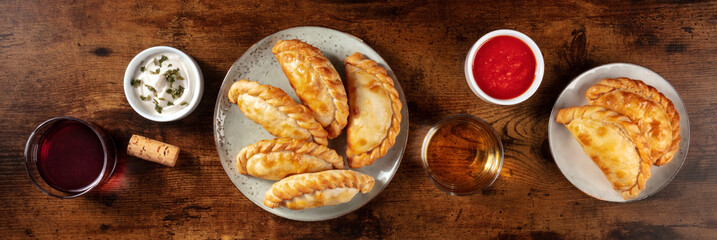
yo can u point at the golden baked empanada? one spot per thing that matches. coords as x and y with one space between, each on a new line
375 118
274 110
311 190
277 158
614 143
644 105
316 82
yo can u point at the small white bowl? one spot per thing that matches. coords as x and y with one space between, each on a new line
539 68
197 81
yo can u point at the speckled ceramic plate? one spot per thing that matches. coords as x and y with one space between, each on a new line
577 167
233 131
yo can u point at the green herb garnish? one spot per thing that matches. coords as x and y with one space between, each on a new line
171 75
135 82
178 92
170 104
154 72
173 92
150 88
143 97
183 103
155 62
142 69
162 59
161 99
170 65
156 106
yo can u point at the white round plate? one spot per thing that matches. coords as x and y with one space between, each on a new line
577 167
233 130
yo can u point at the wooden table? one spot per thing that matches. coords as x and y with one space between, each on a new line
68 58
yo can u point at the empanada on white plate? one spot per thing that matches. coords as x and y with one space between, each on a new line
310 190
614 143
375 111
316 82
277 158
274 110
649 109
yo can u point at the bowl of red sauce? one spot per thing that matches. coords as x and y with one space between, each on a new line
504 67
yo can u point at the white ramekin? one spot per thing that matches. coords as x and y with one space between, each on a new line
539 68
134 101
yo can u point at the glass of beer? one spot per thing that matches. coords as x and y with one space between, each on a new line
462 154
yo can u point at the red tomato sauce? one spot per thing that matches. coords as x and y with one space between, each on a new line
504 67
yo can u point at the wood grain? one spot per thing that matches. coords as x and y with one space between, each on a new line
67 58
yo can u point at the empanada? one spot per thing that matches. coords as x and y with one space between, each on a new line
316 82
277 158
274 110
311 190
644 105
614 143
375 118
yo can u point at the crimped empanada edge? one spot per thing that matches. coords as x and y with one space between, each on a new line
357 160
566 115
649 93
297 185
279 99
297 146
331 80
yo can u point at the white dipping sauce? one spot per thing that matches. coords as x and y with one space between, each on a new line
164 101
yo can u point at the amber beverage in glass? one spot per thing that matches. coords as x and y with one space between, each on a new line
462 154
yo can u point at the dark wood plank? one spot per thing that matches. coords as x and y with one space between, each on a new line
68 58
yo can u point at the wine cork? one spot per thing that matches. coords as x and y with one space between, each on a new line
153 150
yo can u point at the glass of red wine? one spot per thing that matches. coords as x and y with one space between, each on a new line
66 157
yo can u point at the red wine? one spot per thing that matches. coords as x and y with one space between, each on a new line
70 156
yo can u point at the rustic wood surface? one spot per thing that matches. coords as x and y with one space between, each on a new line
67 58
